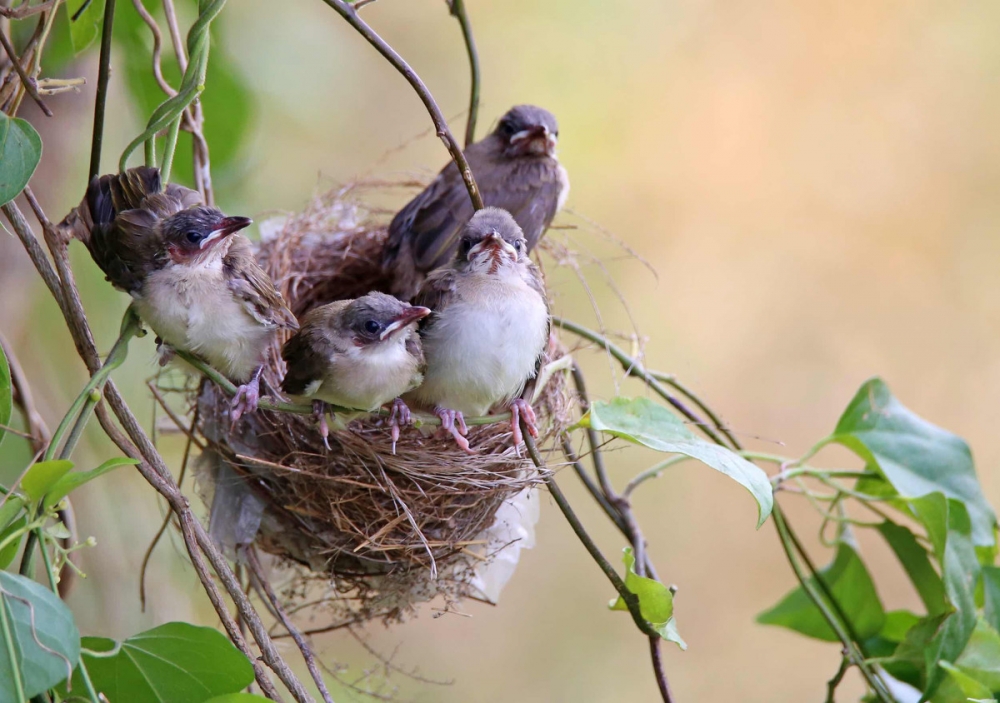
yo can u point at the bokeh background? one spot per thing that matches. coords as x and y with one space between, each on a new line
815 184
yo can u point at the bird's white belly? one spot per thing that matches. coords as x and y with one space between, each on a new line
192 309
369 379
483 349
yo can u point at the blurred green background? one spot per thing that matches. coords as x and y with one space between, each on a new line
815 184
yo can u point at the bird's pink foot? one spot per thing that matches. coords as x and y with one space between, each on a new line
246 398
454 422
400 416
519 409
319 410
165 352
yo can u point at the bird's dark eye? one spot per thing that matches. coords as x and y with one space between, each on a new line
193 237
465 245
518 245
372 327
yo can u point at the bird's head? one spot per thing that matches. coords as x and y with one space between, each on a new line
526 130
492 240
377 318
195 234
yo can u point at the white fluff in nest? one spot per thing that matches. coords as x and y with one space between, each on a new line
513 529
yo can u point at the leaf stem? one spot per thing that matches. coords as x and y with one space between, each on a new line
169 147
103 74
8 638
458 11
653 472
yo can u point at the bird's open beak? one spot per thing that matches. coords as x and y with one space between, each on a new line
495 245
535 140
407 317
225 227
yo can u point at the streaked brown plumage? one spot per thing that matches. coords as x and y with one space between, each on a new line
359 354
515 168
193 279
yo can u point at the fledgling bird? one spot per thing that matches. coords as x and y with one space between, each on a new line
516 169
193 279
359 354
489 327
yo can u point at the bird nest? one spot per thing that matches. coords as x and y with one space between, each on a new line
378 529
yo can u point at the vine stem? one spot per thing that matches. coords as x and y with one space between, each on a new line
103 75
458 11
8 638
348 12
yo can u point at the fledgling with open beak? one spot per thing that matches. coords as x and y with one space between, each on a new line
358 354
516 169
193 278
489 327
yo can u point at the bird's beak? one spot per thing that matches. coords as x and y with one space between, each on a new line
528 140
495 244
408 316
225 227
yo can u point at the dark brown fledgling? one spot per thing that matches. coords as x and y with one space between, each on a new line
515 168
358 354
489 327
193 278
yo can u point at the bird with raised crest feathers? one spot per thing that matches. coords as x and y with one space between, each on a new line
192 277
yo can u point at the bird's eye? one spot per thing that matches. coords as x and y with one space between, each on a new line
372 327
466 245
193 237
518 245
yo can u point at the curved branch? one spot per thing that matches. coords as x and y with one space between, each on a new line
458 11
346 11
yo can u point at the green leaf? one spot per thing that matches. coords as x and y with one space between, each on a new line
20 152
84 22
917 564
915 456
36 616
70 482
950 531
6 395
991 595
656 602
43 476
642 421
8 553
959 687
852 586
10 509
238 698
173 662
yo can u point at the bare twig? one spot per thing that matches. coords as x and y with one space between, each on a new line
348 12
103 74
831 686
27 81
26 10
38 431
263 584
457 8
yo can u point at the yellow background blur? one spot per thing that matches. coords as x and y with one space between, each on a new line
816 185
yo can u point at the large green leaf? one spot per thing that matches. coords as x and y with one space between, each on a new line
644 422
656 602
950 531
9 552
852 586
915 456
975 675
991 595
70 482
6 396
238 698
20 152
84 22
43 476
46 641
170 663
917 564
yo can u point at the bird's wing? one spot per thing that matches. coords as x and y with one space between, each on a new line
437 292
415 349
305 360
530 192
533 277
251 285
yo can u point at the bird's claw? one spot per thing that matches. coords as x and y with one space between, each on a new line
165 352
319 410
246 399
454 422
519 409
400 416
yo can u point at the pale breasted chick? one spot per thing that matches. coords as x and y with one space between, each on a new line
489 327
516 169
193 279
358 354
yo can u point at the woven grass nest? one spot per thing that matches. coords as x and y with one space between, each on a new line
379 531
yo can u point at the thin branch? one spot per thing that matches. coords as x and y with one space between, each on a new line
346 11
25 10
687 393
26 80
632 367
38 431
831 686
257 573
103 74
458 11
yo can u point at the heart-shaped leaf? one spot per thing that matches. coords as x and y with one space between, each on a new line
84 22
70 482
644 422
173 662
20 152
656 602
43 476
44 635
